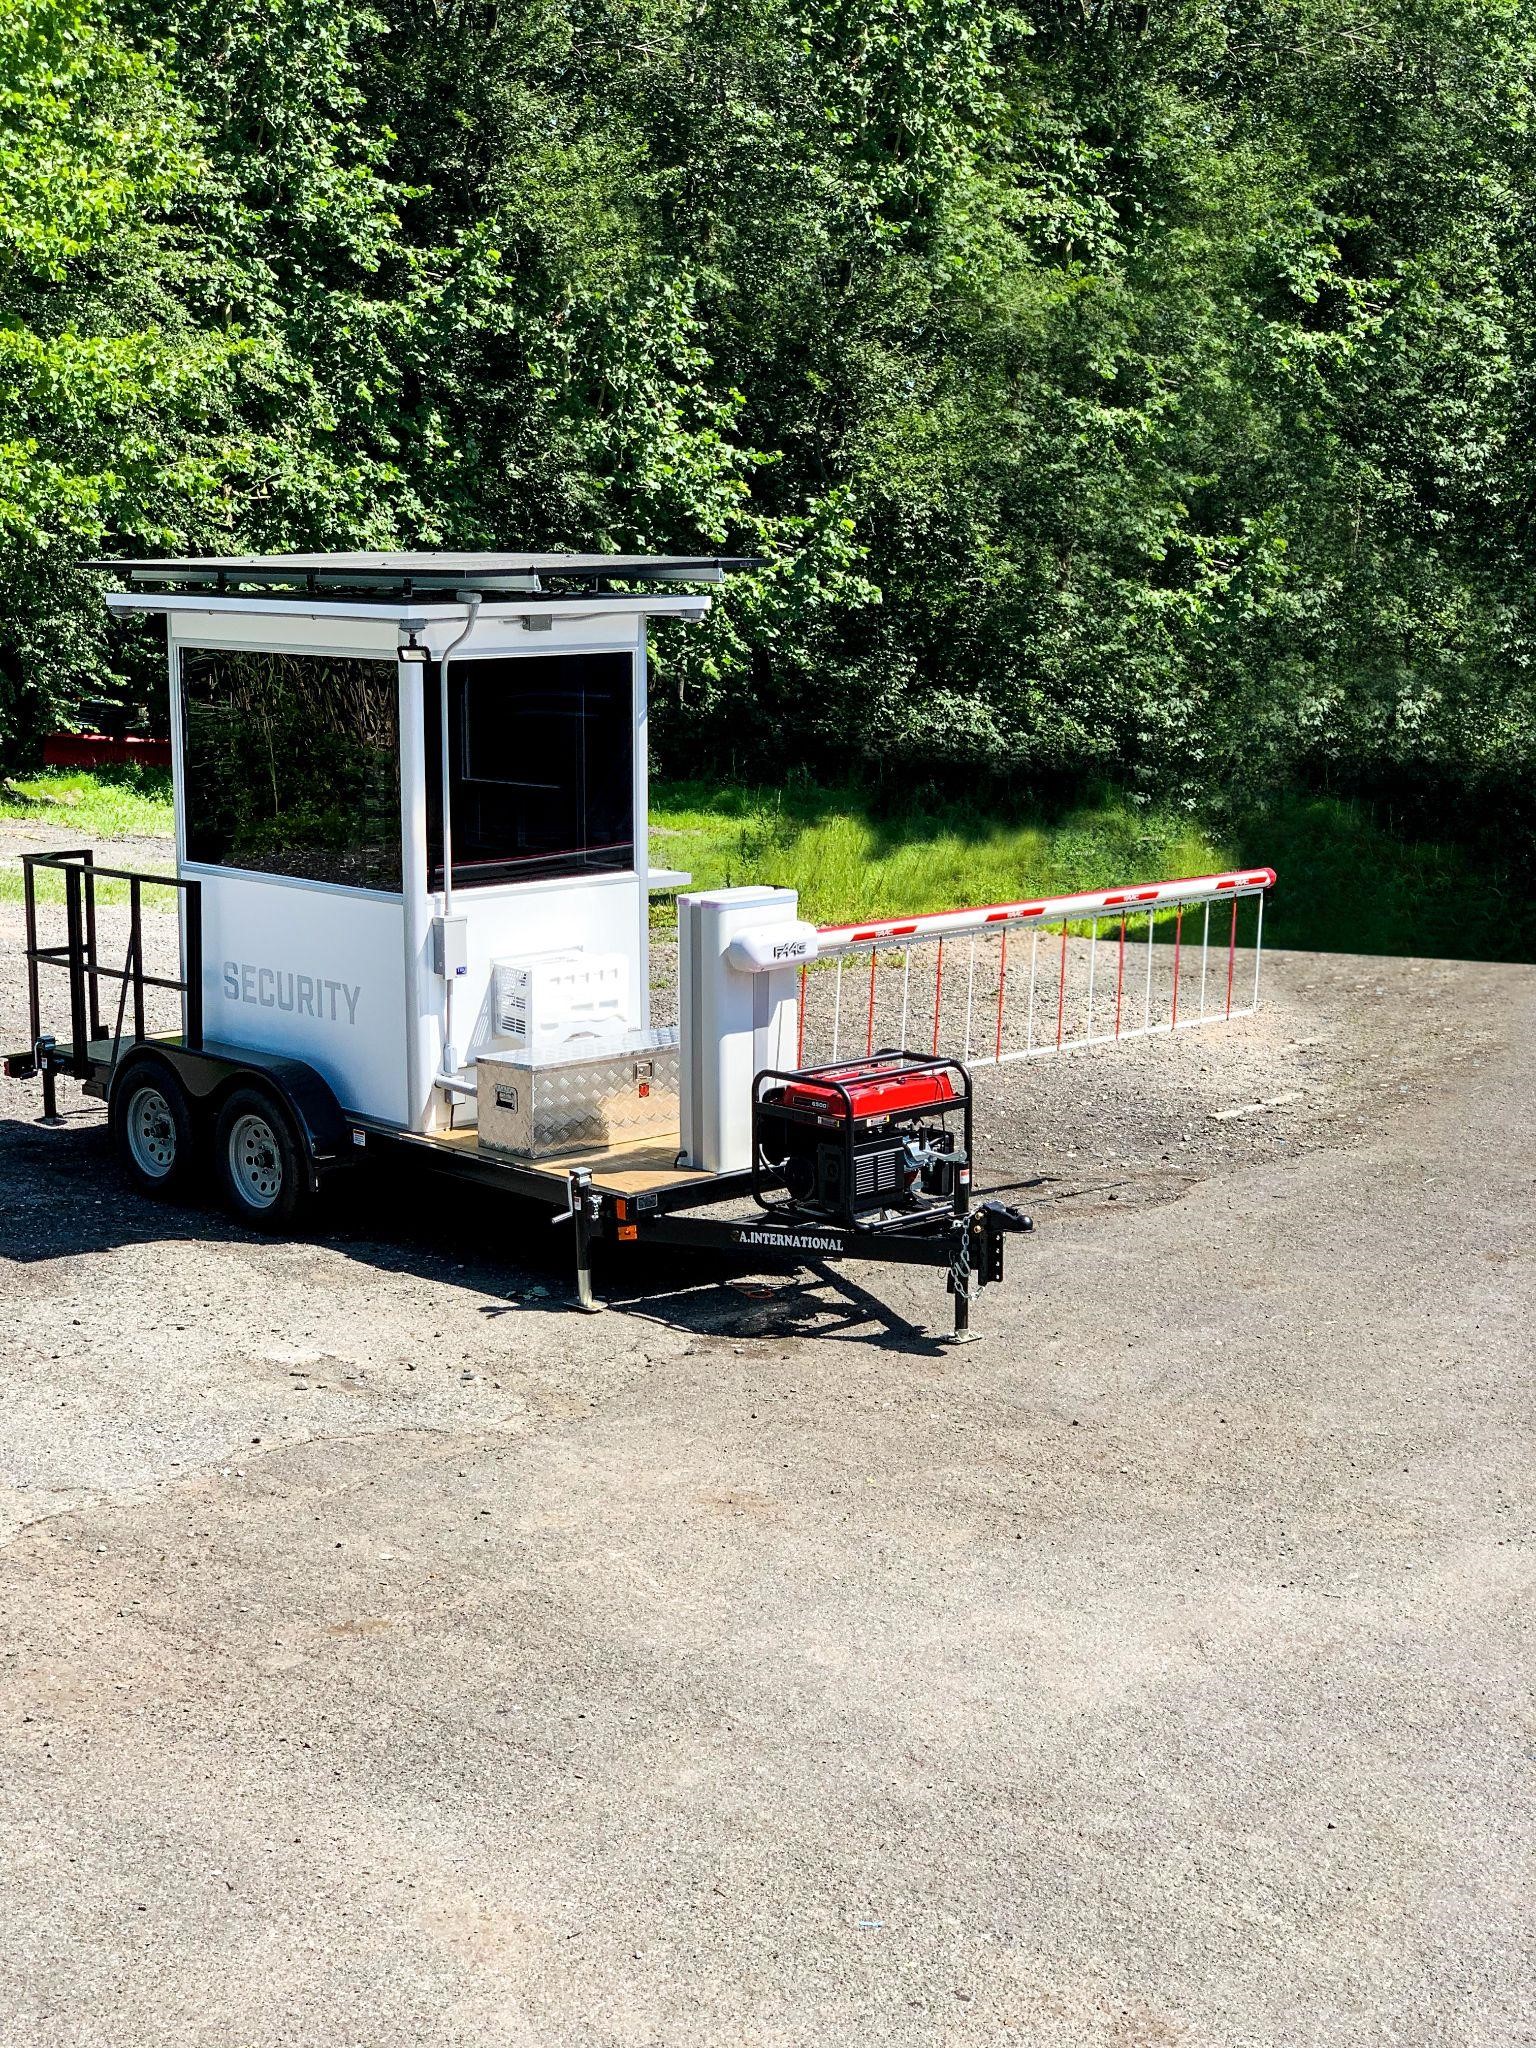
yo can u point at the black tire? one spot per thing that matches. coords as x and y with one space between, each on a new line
154 1131
261 1167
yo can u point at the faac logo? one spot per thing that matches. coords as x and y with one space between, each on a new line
302 995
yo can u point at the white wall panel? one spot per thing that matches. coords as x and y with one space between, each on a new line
311 971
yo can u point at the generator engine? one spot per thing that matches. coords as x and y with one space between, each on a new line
863 1143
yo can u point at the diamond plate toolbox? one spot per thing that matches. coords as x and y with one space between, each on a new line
537 1110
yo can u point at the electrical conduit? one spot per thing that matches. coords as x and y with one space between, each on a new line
448 1075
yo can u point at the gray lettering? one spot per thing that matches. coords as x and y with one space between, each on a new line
305 995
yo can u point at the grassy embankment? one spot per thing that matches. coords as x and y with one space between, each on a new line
1347 882
92 807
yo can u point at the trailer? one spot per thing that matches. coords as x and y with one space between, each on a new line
413 890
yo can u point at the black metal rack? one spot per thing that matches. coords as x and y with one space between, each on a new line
79 956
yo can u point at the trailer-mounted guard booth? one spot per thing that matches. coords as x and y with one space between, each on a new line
411 820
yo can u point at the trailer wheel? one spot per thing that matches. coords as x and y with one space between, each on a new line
152 1128
259 1162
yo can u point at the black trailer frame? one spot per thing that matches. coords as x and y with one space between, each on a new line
965 1240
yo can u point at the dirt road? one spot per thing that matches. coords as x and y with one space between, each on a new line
392 1657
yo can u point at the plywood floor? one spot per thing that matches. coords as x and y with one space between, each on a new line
638 1168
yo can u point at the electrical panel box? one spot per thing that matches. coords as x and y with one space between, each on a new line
556 1005
450 946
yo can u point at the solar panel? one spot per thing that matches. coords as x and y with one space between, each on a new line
418 573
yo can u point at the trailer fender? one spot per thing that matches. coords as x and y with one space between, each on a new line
210 1074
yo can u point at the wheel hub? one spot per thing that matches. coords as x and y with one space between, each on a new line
151 1133
256 1161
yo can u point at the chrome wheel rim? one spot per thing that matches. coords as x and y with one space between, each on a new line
255 1162
151 1133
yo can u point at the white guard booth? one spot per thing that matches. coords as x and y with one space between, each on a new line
393 772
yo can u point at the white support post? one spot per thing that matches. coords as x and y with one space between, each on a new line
733 1021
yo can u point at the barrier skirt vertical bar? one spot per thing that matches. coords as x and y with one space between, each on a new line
1061 984
1093 955
1034 963
1146 1012
837 1007
1002 983
970 993
938 995
869 1027
800 1025
1205 947
1231 955
1178 941
906 992
1120 976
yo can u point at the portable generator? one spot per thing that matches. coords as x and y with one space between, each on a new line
865 1143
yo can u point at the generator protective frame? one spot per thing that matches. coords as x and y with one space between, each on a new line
851 1127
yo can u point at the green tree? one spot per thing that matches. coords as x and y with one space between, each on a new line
106 389
1131 388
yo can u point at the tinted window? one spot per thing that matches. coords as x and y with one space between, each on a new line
542 760
293 765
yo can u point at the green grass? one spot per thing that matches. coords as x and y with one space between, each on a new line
1350 879
50 885
848 860
91 805
103 803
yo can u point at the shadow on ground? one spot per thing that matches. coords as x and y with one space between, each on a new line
63 1195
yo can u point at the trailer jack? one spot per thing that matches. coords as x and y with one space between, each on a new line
978 1260
583 1208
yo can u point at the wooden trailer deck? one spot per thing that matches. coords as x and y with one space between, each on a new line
642 1167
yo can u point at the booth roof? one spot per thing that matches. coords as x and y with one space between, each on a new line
419 573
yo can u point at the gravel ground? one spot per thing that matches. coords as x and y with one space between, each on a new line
390 1656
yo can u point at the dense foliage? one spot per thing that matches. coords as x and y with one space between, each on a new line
1139 387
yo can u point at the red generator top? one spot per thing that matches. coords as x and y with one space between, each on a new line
875 1088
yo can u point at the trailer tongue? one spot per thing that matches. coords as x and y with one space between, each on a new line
413 917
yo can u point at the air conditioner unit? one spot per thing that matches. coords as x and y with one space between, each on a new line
551 1005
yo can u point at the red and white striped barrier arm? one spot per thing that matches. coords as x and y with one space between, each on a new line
1048 910
995 994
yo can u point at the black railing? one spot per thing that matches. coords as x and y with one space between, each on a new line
80 956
